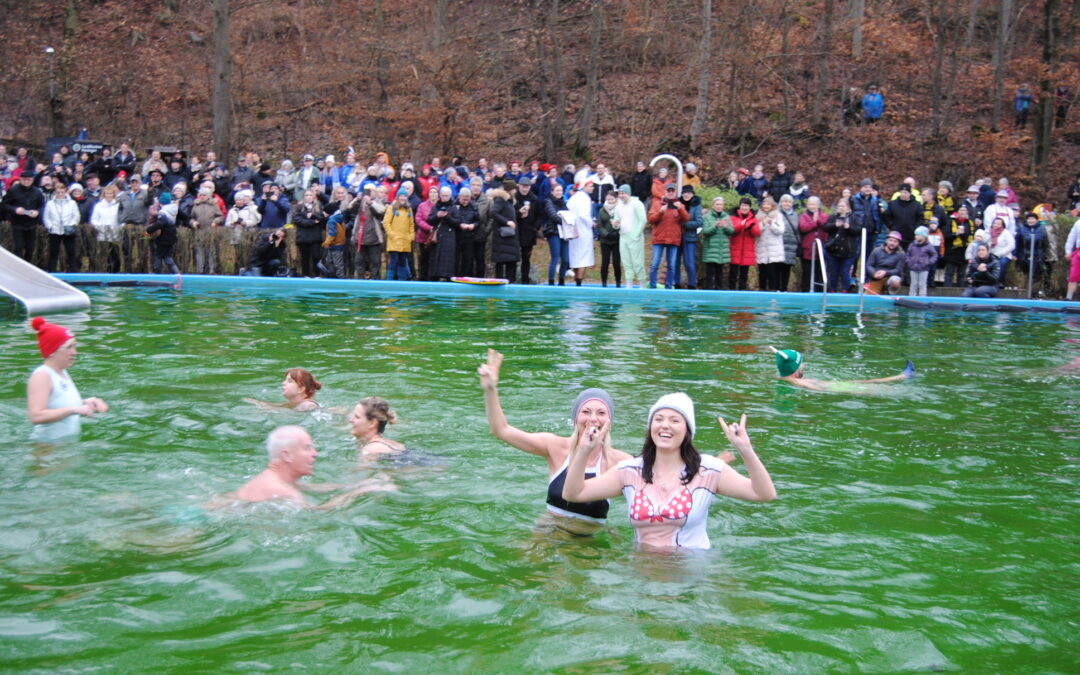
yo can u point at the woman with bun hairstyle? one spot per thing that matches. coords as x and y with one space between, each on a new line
53 403
669 487
368 422
299 388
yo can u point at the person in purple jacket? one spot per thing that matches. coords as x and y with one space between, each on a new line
921 260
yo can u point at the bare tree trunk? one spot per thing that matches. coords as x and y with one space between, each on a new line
1071 20
382 77
701 110
1044 110
59 77
858 11
823 73
546 131
938 28
222 101
559 125
591 80
785 24
1000 44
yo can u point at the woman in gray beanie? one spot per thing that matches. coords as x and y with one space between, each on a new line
592 409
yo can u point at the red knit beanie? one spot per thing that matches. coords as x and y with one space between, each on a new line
50 336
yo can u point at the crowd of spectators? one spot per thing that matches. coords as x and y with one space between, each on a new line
348 220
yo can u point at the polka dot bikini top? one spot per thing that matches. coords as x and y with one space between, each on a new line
677 508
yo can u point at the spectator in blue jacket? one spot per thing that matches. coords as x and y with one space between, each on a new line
866 209
755 184
1022 104
688 250
273 206
873 104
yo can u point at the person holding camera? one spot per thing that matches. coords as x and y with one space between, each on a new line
274 206
266 258
667 216
842 248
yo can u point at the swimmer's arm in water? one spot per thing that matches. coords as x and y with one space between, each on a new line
533 443
346 498
320 488
263 404
759 486
37 399
808 383
577 488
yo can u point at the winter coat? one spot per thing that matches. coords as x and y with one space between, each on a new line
462 215
881 259
107 219
1005 245
956 242
743 241
769 247
286 180
904 217
503 249
753 186
792 236
989 277
29 199
551 209
528 221
275 213
921 257
136 206
868 210
62 216
693 223
423 229
716 231
800 192
369 231
812 227
444 259
641 185
667 221
206 214
248 216
400 227
608 234
308 222
336 232
873 105
843 242
779 184
483 214
1025 238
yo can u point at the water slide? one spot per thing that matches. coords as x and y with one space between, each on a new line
41 292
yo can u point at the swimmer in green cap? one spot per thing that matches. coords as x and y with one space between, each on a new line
790 365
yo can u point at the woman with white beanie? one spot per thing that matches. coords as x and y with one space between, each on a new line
670 486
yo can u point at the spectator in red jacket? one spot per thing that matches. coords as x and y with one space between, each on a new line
743 243
667 216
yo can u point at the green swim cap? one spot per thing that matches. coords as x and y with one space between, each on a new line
788 361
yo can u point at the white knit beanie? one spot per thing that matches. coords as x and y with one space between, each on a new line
680 403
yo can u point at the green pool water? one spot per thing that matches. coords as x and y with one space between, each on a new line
926 526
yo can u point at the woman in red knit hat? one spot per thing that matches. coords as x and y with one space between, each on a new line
52 400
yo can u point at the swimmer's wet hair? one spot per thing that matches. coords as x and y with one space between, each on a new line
376 408
305 380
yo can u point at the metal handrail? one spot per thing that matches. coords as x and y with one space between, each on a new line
862 268
824 275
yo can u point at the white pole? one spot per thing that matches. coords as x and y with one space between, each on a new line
678 165
824 274
862 268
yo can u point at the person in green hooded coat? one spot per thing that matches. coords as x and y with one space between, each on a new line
630 219
790 366
716 231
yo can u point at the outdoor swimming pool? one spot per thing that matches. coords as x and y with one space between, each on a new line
929 526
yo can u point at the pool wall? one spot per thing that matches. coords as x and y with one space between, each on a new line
739 299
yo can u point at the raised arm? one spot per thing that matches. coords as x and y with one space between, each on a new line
759 486
533 443
604 486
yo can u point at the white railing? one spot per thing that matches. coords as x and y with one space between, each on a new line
862 268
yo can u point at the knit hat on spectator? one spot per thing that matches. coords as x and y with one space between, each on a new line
690 166
866 181
945 184
625 189
787 361
165 198
680 403
688 188
904 187
76 186
1002 193
922 231
895 235
50 336
973 188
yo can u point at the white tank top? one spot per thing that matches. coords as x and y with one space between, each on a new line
64 394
